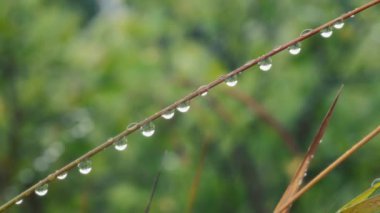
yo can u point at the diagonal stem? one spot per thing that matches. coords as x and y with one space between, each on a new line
188 97
155 184
331 167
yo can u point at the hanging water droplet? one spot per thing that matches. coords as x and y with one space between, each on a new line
232 81
62 176
183 107
19 202
203 90
148 129
295 49
339 24
85 167
305 32
168 114
42 190
375 182
326 32
121 144
320 141
265 64
305 174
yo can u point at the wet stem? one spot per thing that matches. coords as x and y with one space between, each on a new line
186 99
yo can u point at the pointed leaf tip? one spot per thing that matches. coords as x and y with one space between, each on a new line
297 179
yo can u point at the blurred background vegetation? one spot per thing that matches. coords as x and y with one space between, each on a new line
74 73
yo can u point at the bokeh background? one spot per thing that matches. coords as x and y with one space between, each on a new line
76 72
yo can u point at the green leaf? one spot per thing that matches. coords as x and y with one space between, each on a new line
361 203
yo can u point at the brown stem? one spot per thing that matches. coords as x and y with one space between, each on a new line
331 167
188 97
298 177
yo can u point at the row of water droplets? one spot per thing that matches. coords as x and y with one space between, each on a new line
148 129
85 166
266 64
325 33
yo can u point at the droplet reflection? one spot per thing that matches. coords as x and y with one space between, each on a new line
295 49
62 176
42 190
85 167
265 64
148 129
169 114
339 24
326 32
121 144
183 107
232 81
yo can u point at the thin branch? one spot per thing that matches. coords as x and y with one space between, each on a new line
188 97
156 179
331 167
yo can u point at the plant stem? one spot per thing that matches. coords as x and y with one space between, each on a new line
188 97
331 167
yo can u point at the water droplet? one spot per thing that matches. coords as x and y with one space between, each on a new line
305 174
265 64
19 202
168 114
62 176
148 129
295 49
320 141
121 144
326 32
300 182
339 24
183 107
85 167
305 32
375 182
204 90
352 16
42 190
232 81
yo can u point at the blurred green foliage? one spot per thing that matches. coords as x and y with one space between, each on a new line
74 73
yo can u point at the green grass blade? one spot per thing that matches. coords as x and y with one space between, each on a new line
371 205
362 201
